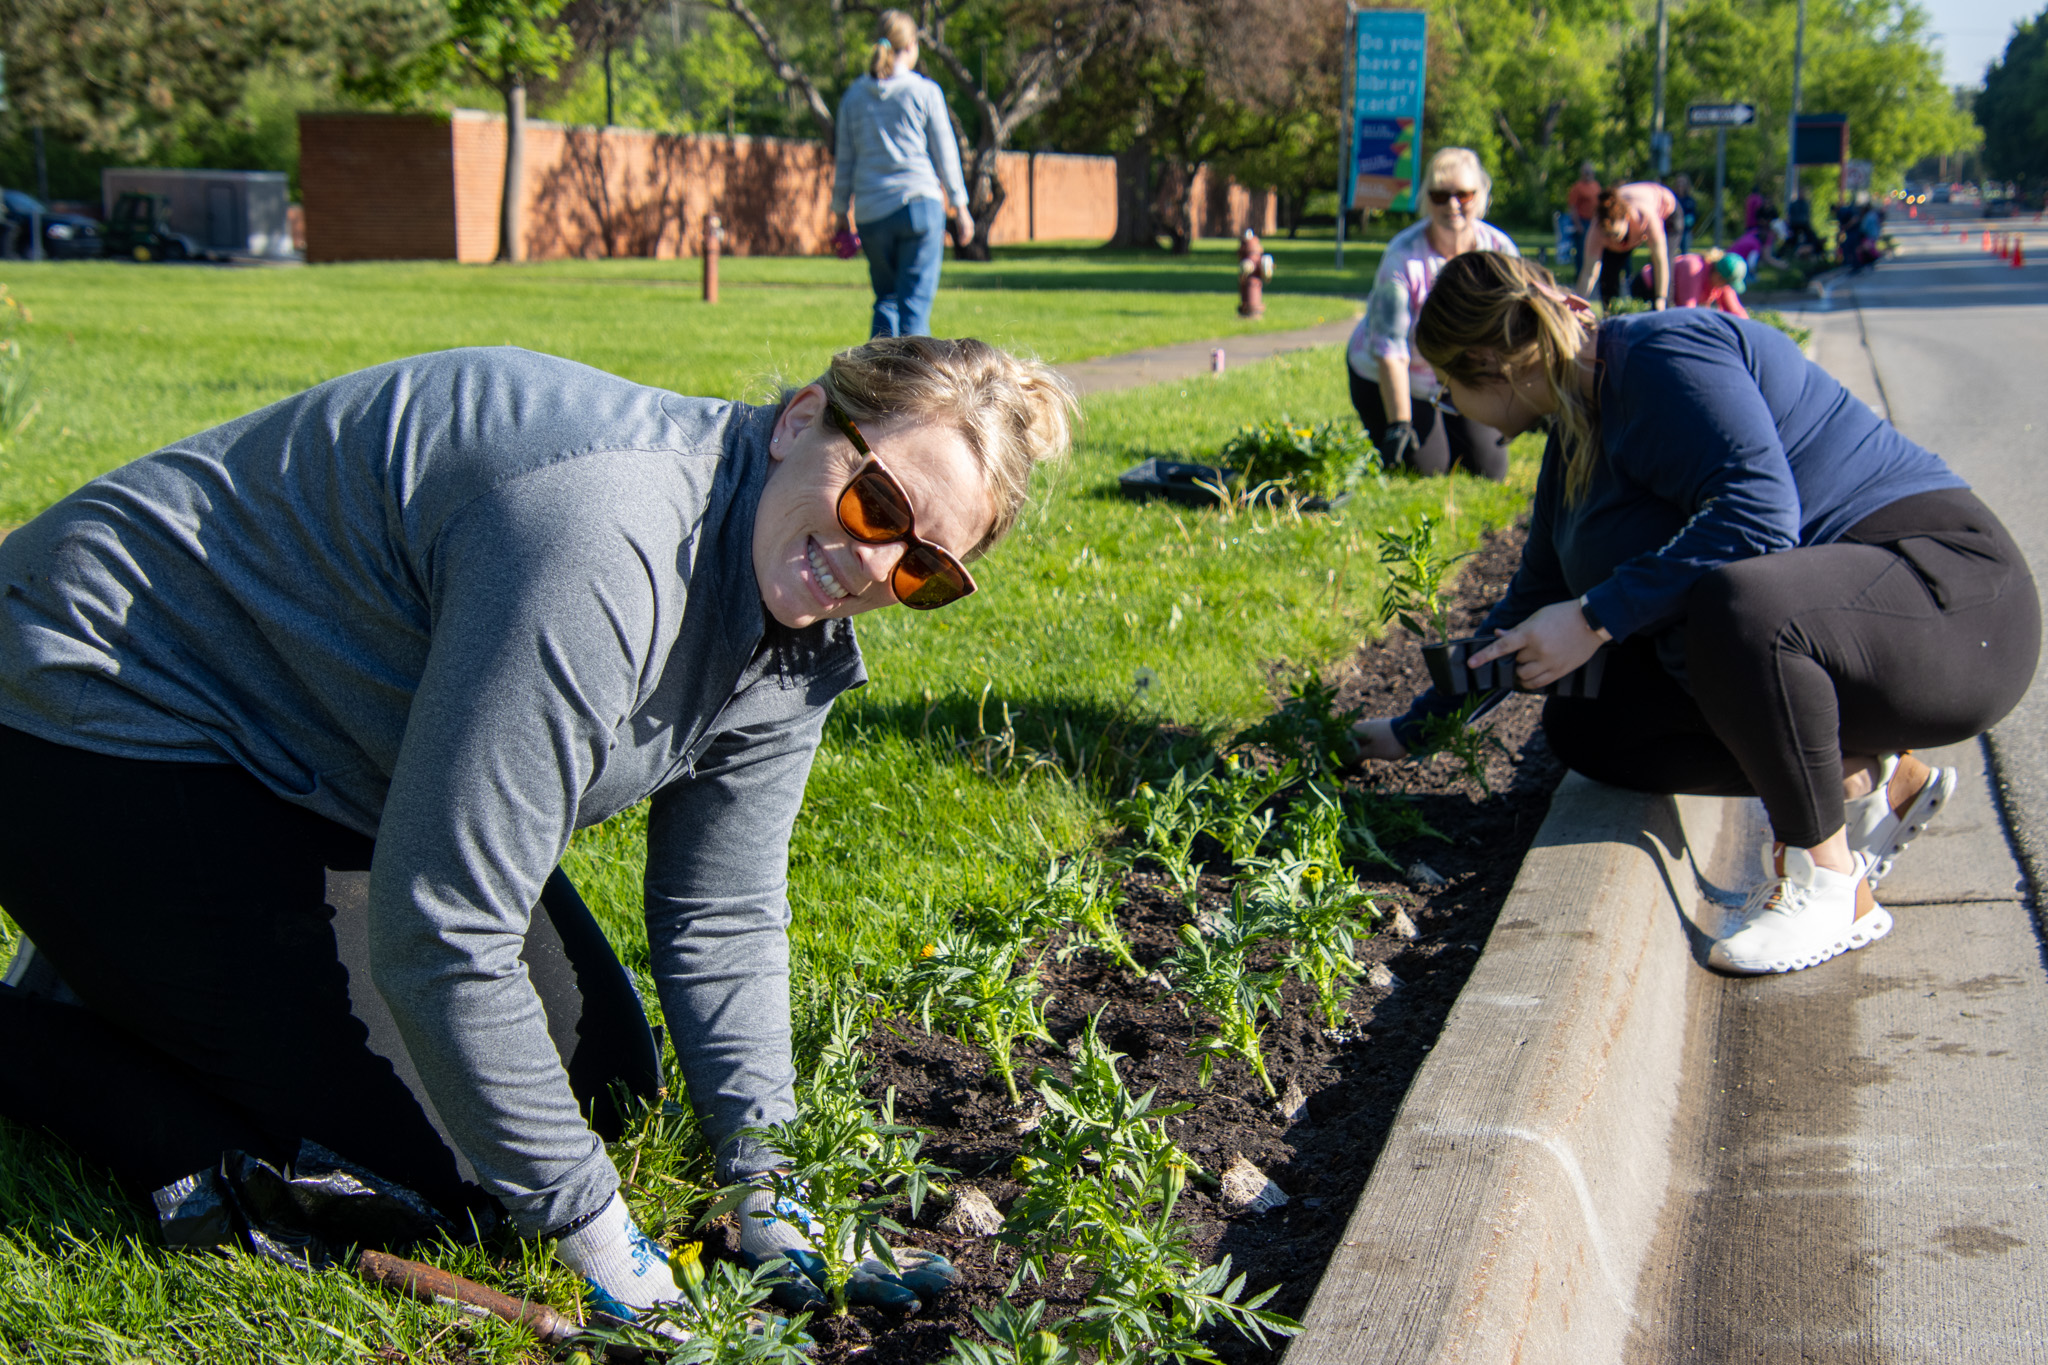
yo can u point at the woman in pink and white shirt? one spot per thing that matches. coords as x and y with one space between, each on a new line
1629 216
1394 390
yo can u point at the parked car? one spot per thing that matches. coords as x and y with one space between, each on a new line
1940 194
2000 208
65 235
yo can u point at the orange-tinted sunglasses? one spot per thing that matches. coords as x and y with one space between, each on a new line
875 510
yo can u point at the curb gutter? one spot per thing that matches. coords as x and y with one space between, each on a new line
1519 1190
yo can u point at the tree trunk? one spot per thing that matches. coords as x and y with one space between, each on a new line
511 205
1134 226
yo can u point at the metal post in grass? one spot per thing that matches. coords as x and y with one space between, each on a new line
714 236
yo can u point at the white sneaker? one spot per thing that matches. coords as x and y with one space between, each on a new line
1907 797
1801 917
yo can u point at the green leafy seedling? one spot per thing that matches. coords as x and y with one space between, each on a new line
1018 1339
847 1162
1213 969
1417 571
1169 819
722 1314
1452 733
1085 895
986 992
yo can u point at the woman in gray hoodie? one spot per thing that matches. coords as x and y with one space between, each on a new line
897 161
430 619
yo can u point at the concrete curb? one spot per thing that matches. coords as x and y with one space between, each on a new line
1519 1191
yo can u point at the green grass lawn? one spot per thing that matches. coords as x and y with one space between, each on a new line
130 357
1109 639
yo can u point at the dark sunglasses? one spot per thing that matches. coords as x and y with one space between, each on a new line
1446 196
875 510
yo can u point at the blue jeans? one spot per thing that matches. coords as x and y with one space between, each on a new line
904 252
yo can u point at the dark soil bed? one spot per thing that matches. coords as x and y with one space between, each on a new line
1353 1079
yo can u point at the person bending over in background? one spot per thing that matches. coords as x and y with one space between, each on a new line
1796 594
434 617
1395 393
1709 279
1630 215
896 160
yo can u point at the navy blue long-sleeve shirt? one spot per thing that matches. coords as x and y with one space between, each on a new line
1718 441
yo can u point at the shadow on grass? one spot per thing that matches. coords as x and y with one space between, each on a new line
1104 748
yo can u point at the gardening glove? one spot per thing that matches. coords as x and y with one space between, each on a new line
772 1226
626 1270
1397 443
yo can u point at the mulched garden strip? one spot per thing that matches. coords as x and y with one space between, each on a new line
1340 1088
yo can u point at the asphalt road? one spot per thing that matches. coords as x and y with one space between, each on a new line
1861 1166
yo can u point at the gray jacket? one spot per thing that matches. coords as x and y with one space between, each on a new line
468 603
894 143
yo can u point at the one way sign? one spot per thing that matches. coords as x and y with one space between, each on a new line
1719 115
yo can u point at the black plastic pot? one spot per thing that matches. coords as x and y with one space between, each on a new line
1174 480
1451 674
1449 671
1178 481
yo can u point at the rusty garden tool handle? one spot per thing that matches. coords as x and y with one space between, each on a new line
426 1283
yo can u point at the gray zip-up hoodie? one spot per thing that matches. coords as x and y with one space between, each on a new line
468 603
894 143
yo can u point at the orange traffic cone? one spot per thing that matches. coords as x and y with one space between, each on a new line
1966 239
2019 255
1912 210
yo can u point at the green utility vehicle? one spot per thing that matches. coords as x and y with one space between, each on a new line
140 226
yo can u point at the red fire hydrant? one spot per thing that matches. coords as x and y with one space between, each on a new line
714 237
1254 268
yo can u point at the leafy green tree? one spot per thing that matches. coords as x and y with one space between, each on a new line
2013 106
130 78
508 45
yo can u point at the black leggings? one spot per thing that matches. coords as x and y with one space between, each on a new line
214 937
1919 628
1442 440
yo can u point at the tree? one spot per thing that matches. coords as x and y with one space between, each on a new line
2013 107
1241 85
1058 38
506 44
122 78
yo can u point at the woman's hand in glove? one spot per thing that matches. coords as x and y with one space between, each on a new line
626 1270
1397 443
773 1226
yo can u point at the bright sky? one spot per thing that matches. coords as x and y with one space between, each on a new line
1973 32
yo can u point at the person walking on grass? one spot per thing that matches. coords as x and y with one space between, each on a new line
429 619
1794 594
1396 394
897 163
1629 216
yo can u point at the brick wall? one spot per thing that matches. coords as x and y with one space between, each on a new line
377 186
396 186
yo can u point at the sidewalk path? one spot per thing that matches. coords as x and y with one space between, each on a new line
1186 359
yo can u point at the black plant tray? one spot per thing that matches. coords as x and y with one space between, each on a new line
1451 674
1180 481
1174 480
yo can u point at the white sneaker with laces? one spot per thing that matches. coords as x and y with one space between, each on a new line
1906 798
1801 917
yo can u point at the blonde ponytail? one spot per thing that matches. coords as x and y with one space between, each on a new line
1490 315
895 32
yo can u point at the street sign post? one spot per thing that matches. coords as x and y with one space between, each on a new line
1720 117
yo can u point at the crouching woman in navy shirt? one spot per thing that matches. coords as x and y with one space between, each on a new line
1796 594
